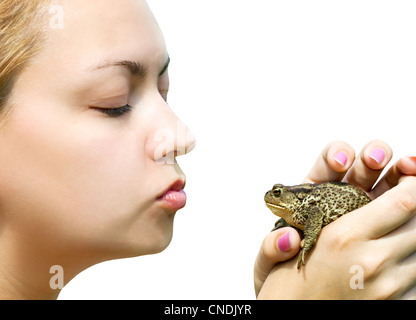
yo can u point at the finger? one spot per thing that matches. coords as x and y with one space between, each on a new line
279 245
409 295
387 212
369 164
400 243
332 163
404 278
396 281
404 166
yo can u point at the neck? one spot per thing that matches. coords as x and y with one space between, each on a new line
25 279
14 287
29 269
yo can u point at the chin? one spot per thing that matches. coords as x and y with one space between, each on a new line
156 244
133 237
143 249
160 246
150 241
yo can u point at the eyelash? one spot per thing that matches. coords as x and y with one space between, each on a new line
115 112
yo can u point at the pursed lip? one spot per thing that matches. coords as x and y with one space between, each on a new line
174 197
178 185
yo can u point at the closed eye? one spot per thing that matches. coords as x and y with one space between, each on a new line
115 112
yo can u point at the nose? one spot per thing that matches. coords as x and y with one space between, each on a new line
171 140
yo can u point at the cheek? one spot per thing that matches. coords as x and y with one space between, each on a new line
74 179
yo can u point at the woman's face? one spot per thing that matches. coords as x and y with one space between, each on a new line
87 148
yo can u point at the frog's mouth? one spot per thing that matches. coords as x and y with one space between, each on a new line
276 209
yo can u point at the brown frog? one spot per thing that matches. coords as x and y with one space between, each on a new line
310 207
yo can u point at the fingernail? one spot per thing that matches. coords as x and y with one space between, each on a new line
341 158
378 155
284 242
413 158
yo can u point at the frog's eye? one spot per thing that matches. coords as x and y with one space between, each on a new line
277 192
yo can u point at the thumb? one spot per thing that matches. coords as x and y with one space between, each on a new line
279 245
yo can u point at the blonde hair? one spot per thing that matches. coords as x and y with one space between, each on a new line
21 34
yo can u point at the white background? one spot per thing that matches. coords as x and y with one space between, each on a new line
264 85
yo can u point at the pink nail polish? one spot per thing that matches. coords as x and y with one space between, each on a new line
284 242
378 155
341 158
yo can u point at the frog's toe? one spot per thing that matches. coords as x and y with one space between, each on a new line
301 259
281 223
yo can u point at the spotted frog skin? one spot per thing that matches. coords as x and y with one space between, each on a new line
310 207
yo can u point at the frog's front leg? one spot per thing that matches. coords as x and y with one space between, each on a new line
312 229
281 223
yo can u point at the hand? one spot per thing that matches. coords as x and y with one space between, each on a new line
333 165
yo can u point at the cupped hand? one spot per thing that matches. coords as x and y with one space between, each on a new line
337 162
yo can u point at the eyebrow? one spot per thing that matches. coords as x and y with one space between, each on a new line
136 68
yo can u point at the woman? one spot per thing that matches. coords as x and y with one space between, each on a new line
88 140
89 143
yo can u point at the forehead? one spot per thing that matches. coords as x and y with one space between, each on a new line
104 30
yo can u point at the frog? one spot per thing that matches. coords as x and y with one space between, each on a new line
309 207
